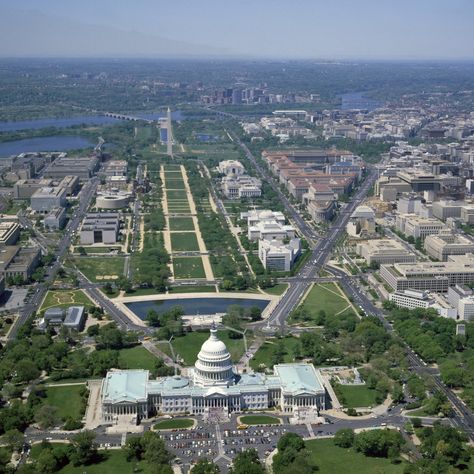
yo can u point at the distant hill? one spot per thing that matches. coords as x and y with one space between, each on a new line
27 33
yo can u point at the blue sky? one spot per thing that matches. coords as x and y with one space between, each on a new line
391 29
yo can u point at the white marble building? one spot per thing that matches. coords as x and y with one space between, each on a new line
212 384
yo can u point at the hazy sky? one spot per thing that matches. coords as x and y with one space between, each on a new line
284 28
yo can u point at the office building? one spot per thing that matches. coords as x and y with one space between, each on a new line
46 199
446 243
116 168
9 232
412 299
383 251
55 219
444 209
100 228
457 293
83 167
25 188
362 222
18 262
278 256
418 227
433 276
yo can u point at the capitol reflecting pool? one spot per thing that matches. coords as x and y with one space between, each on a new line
194 306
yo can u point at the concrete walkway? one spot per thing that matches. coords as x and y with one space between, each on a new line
93 416
166 230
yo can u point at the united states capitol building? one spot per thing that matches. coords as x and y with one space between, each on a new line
212 385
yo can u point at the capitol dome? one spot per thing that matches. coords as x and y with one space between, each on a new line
214 364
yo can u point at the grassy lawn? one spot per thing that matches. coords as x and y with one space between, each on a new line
332 459
178 423
65 299
278 289
67 400
179 209
325 296
184 241
98 269
358 396
264 355
189 345
420 412
188 267
259 420
142 292
172 194
136 358
181 223
193 289
173 184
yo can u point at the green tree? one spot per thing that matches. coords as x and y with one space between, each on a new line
133 448
14 439
155 453
247 462
381 443
204 466
444 442
26 370
47 416
84 448
47 462
291 456
344 438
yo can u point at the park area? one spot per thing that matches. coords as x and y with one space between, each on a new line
179 207
188 267
67 399
181 223
326 297
274 349
188 346
64 299
356 396
184 242
175 182
98 269
113 460
136 358
175 194
331 459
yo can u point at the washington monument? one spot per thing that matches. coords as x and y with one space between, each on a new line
169 138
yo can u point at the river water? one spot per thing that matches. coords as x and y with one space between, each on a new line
54 143
80 120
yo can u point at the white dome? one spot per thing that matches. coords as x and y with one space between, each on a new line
213 348
214 364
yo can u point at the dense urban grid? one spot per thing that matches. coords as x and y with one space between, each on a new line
234 266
